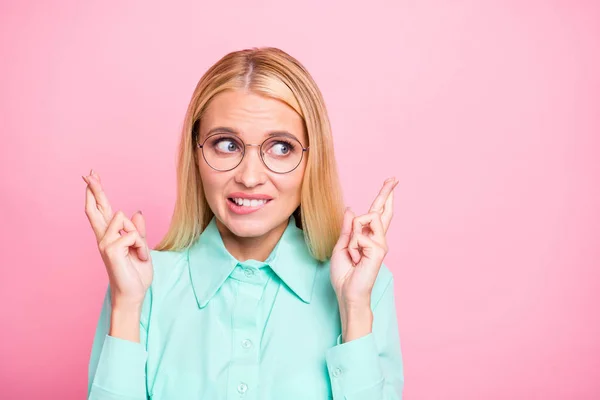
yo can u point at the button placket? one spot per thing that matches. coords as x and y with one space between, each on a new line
243 373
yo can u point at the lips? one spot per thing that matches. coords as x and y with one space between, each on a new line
248 202
241 203
249 196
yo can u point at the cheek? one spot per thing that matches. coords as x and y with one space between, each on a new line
291 186
210 181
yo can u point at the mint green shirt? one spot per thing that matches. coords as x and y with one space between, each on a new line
216 328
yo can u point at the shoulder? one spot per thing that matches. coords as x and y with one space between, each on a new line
168 266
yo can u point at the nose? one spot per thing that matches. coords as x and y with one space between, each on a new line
251 172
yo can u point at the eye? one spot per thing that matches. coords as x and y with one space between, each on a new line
281 148
226 145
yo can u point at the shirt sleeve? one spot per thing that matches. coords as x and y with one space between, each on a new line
370 367
117 367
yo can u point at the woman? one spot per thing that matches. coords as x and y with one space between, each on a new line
263 287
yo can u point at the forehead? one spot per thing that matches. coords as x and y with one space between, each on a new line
252 116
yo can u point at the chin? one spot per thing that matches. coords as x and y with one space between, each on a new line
248 227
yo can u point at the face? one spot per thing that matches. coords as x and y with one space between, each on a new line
269 197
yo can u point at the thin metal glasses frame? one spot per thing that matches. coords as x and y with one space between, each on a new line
260 152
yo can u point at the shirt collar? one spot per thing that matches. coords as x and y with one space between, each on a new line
211 263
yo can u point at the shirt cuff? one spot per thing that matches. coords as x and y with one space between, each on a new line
354 369
122 368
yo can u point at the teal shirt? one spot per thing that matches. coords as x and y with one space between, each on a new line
216 328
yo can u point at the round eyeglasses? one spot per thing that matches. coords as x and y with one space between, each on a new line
280 153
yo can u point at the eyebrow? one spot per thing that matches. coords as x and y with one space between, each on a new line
224 129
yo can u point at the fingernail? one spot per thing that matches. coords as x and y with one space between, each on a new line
389 179
140 211
91 172
85 179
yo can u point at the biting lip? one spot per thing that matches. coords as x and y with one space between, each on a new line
249 196
243 203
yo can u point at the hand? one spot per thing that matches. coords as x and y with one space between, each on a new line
359 252
126 255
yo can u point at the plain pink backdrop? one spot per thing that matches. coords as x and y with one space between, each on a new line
487 112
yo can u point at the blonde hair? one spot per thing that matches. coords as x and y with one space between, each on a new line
270 72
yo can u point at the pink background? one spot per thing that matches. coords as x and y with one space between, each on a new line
486 111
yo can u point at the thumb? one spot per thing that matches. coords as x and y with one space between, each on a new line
140 223
344 239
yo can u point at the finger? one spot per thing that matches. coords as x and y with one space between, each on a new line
141 250
379 201
96 220
127 242
372 222
369 248
344 238
102 203
140 223
353 249
388 211
118 223
92 172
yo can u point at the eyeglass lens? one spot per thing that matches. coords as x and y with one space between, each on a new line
225 151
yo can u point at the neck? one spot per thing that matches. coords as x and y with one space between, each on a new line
256 248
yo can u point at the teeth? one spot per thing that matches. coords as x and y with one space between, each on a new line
248 202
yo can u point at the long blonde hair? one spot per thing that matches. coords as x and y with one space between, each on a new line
270 72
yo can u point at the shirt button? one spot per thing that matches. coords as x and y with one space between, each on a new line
337 372
242 387
246 343
248 272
